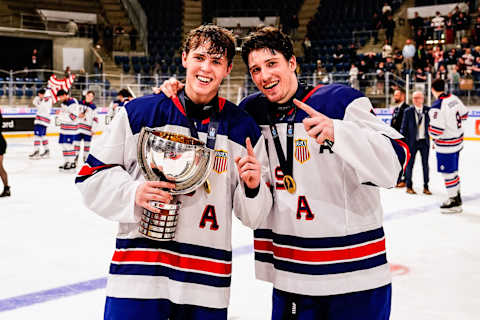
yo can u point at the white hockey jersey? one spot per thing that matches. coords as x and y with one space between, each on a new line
446 123
85 124
68 117
195 268
114 108
43 105
327 238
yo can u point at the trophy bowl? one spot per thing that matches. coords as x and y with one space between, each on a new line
176 158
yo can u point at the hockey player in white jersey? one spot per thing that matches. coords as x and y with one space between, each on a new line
43 104
323 245
188 278
86 120
123 97
68 115
447 115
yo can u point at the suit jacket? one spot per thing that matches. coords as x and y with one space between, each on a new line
409 125
397 116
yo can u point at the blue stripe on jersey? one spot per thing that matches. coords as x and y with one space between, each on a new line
171 273
327 242
437 104
178 247
447 139
158 110
331 100
402 157
70 102
322 269
158 309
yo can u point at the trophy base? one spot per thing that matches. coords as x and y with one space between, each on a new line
160 226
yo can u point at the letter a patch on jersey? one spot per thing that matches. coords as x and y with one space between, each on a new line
301 150
221 159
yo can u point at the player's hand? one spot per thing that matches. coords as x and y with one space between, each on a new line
170 87
249 168
151 191
81 115
318 126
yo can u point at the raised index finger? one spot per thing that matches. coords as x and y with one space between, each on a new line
305 107
249 147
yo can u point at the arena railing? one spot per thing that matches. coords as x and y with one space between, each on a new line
19 87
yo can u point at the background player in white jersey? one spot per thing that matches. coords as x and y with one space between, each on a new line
323 246
188 278
123 97
43 104
86 120
446 129
68 115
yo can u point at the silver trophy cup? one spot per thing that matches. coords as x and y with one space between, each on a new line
172 157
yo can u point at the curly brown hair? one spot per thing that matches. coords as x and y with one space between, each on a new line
221 40
269 38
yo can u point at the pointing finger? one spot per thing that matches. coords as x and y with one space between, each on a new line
249 147
305 107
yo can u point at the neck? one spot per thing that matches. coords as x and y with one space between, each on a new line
199 99
291 92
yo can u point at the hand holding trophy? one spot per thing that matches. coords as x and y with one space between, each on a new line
176 163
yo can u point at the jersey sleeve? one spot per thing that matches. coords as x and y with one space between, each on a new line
104 183
370 146
253 210
437 121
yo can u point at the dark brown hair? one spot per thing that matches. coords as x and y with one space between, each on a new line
270 38
221 40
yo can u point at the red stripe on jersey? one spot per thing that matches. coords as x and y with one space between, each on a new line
452 182
311 92
174 260
407 152
334 255
87 170
439 141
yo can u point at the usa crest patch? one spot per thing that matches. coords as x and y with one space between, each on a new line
301 150
220 164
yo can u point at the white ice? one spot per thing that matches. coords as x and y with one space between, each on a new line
49 239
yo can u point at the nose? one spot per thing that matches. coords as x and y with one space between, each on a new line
205 65
265 75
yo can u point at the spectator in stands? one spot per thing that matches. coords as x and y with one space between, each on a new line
419 37
442 72
461 67
133 34
362 73
80 81
415 130
307 48
72 27
380 78
420 78
67 72
389 65
417 23
461 27
476 71
398 59
386 50
465 43
454 78
438 22
376 25
408 53
437 57
98 66
468 58
476 32
108 38
389 28
476 51
450 59
420 58
449 29
353 77
386 11
338 54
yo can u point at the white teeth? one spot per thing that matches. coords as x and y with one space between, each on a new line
204 79
270 85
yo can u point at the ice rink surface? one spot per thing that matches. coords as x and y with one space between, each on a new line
56 253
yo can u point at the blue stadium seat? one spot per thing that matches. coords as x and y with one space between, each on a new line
1 92
135 60
28 92
126 68
146 68
143 60
113 93
117 59
136 68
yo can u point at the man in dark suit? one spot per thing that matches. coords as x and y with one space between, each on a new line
415 130
397 118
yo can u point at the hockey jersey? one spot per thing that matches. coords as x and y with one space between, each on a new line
446 123
43 106
114 108
85 124
195 268
327 238
68 117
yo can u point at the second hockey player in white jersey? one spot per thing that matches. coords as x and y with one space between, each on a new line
68 115
43 103
86 120
447 115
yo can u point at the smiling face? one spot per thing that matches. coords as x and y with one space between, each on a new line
273 75
205 72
